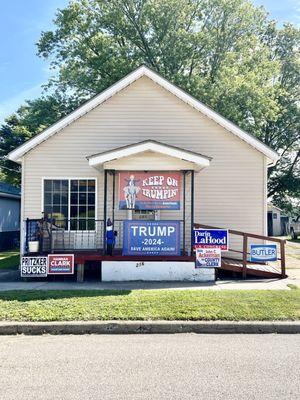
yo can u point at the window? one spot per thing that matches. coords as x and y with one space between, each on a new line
56 200
82 214
71 202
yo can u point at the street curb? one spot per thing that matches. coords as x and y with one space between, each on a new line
148 327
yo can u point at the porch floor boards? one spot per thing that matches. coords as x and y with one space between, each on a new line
255 269
228 264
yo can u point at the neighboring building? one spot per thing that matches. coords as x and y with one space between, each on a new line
96 162
10 200
274 220
278 223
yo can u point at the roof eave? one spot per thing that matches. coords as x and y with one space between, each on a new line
121 84
127 151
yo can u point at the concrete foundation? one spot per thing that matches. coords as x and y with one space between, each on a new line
155 271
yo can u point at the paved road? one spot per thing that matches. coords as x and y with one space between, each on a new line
145 367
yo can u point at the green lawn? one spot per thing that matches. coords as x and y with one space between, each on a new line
10 259
150 305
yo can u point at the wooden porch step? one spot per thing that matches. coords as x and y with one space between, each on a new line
254 269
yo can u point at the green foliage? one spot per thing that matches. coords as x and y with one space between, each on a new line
194 305
227 53
28 121
10 259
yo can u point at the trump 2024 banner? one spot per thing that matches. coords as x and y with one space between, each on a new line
155 238
149 190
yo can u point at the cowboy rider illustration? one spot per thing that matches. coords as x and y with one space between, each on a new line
131 191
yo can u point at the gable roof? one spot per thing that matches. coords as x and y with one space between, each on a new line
199 160
143 70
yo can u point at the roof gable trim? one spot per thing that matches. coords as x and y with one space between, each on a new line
149 145
123 83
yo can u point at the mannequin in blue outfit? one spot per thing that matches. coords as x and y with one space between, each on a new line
110 237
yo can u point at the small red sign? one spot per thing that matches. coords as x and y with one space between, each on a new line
60 264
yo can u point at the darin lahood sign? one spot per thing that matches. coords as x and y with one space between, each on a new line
151 238
149 190
209 238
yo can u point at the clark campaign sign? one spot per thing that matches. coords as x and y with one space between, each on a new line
263 252
209 238
60 264
34 267
151 238
208 258
149 190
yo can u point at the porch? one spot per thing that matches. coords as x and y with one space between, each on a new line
150 183
89 246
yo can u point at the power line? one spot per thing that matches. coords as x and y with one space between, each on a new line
10 169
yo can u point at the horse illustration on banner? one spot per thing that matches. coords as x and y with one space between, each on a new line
131 190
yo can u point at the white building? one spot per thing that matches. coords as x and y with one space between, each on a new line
142 124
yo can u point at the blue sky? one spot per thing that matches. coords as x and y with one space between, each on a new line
21 21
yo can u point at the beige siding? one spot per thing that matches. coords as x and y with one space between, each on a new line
229 193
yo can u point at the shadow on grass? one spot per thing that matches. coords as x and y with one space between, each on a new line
289 239
11 262
29 295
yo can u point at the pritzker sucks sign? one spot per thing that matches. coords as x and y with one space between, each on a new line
34 267
149 190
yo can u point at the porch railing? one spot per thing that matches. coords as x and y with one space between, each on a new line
56 235
244 252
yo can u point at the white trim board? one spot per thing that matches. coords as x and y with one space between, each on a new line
149 145
16 154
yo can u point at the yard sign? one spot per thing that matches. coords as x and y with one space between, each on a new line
34 267
208 258
263 252
60 264
211 238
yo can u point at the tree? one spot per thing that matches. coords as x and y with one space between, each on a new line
227 53
28 121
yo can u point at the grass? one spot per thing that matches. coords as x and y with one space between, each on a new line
292 286
289 239
10 259
150 305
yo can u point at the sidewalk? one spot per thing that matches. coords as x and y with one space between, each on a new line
262 284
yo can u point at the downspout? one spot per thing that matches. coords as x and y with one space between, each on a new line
22 223
265 197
